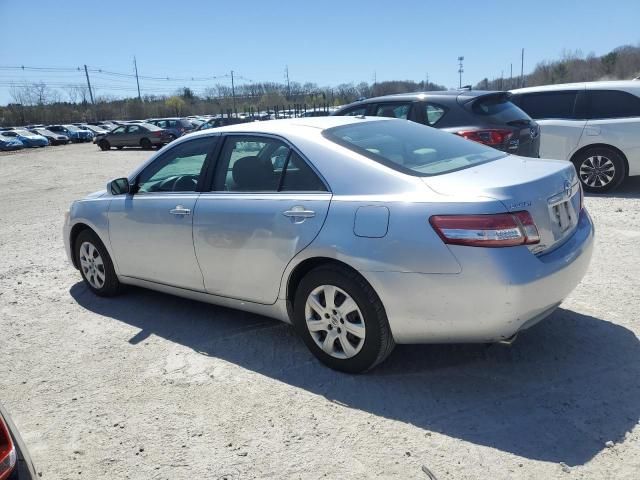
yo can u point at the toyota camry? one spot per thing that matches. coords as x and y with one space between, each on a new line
362 232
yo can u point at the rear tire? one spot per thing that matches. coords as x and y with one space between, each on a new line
600 169
95 265
145 143
104 145
348 332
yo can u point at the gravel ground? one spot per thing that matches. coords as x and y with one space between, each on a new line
148 386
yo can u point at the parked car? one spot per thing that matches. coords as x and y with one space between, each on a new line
53 137
96 130
15 462
438 240
175 126
135 135
75 134
485 117
595 125
28 139
8 143
221 122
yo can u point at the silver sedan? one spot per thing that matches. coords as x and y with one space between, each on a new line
361 232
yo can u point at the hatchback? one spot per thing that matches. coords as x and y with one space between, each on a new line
485 117
362 233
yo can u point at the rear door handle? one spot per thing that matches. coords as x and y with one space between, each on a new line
298 214
180 210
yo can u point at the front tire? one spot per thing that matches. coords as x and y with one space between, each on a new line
104 145
342 320
95 265
600 169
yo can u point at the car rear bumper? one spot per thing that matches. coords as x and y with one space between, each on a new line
499 291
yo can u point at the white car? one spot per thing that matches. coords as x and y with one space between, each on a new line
595 125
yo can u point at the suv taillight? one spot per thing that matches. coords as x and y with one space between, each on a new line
497 230
7 451
492 136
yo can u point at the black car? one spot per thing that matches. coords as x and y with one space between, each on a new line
222 122
485 117
15 463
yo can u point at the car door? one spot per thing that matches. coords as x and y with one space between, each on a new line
117 138
133 135
151 229
614 119
562 118
259 214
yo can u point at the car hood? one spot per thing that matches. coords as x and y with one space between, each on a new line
98 194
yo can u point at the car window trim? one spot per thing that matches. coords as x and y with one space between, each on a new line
209 187
203 171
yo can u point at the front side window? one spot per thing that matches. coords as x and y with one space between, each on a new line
549 105
612 104
393 110
262 164
410 147
356 111
177 170
119 130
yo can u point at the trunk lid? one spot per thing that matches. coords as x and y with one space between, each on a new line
548 189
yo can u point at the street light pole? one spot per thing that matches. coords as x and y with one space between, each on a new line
460 70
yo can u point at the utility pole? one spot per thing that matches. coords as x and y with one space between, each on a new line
135 66
426 85
501 79
511 76
286 74
522 69
86 72
233 93
460 70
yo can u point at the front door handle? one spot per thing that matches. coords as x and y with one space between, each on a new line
180 210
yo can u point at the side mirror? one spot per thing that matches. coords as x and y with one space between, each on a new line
119 186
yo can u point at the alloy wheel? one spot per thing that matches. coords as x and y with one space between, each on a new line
597 171
92 265
335 321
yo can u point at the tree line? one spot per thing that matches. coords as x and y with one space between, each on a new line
40 103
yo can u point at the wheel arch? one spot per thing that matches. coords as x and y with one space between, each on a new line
304 267
603 145
73 236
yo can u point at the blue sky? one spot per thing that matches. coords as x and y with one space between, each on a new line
327 42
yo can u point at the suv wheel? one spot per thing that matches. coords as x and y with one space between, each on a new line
342 320
600 169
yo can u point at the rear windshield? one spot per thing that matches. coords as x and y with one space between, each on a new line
499 108
411 147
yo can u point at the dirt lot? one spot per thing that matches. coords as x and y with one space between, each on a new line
147 386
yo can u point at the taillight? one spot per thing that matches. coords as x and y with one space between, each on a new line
7 451
497 230
157 133
493 137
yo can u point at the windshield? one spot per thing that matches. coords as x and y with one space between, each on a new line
72 128
25 133
499 108
410 147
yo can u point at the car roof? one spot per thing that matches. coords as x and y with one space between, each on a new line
627 85
281 126
423 95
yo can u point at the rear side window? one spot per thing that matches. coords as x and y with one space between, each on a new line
612 104
433 113
548 105
499 109
410 147
393 110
